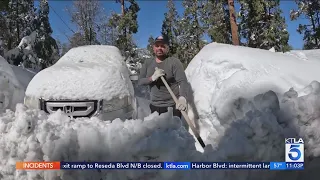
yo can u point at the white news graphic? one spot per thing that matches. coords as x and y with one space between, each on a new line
294 150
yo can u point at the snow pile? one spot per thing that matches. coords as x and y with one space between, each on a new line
219 78
258 131
23 75
313 54
11 91
29 135
245 107
86 72
272 49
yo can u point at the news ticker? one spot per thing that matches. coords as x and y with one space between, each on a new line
159 165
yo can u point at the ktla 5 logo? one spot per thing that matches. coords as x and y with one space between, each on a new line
294 150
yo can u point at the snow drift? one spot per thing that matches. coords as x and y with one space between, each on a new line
244 104
222 80
24 76
29 135
307 55
11 90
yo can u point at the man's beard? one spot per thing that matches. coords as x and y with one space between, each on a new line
162 56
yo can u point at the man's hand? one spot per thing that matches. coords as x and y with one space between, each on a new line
182 104
157 73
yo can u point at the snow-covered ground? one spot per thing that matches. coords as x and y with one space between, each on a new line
245 106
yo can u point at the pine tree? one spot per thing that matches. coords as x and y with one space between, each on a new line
21 23
46 47
125 25
20 16
190 40
216 20
35 48
150 44
170 27
3 28
309 9
262 25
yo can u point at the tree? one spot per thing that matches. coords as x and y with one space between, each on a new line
216 21
311 32
233 23
125 25
1 47
85 14
63 48
190 40
262 25
4 6
3 28
150 44
106 34
170 27
46 47
36 49
77 40
19 20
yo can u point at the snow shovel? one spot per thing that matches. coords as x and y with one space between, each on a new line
184 114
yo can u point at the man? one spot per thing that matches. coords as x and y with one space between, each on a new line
172 70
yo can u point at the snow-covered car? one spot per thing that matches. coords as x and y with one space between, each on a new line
87 81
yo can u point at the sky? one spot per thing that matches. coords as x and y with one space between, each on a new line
150 19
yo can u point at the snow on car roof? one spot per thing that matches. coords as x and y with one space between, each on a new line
87 72
93 54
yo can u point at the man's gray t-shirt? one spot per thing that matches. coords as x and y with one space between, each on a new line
174 75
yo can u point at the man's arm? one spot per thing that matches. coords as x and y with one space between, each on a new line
143 80
180 77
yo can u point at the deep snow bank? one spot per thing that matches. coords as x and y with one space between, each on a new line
221 74
24 76
30 135
307 55
11 91
257 134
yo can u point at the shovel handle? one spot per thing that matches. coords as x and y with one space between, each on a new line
186 117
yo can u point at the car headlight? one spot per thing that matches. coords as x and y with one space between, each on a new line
32 102
116 104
